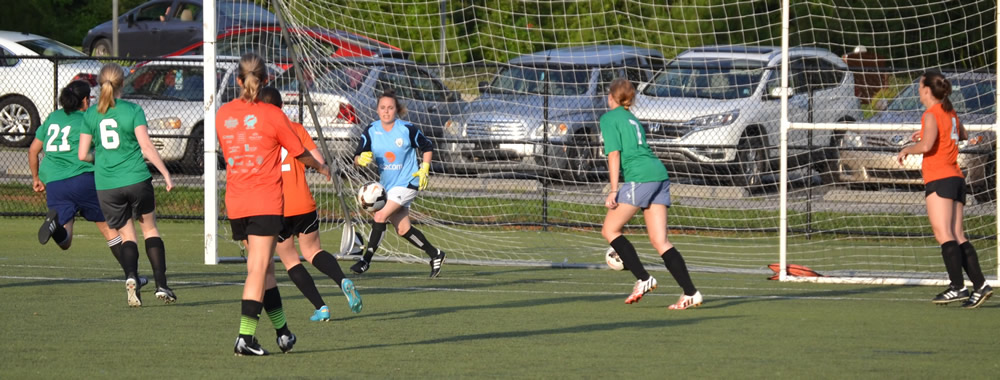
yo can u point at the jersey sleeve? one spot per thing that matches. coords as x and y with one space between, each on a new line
284 134
138 116
43 129
609 131
365 143
419 140
307 141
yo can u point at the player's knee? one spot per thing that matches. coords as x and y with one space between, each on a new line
610 234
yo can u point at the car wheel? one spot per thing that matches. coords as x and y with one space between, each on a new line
101 48
984 190
829 167
581 160
194 156
18 121
751 161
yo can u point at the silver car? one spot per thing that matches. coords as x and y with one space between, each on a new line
870 157
541 113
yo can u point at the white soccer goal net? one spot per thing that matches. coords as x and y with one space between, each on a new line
511 92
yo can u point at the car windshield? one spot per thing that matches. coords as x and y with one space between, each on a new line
533 80
163 82
713 79
328 78
246 14
50 48
968 96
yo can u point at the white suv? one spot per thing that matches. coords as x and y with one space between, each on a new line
714 110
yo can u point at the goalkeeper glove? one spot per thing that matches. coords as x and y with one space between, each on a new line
364 159
422 174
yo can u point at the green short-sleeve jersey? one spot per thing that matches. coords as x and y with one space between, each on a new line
624 133
60 137
118 160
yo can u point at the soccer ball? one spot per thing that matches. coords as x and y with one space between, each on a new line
371 196
615 262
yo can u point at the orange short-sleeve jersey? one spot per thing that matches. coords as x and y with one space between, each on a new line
298 198
942 160
251 136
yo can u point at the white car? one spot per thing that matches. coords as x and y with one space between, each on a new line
170 92
31 85
714 110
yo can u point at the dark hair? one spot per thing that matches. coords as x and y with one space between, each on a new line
940 88
270 95
71 97
622 91
391 93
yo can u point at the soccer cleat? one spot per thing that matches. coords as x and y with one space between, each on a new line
286 342
248 347
353 298
978 297
165 294
360 267
436 264
321 315
48 227
640 289
951 295
687 302
132 287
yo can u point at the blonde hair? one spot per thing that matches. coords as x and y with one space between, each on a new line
623 92
253 73
111 79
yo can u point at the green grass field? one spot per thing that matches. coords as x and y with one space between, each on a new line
65 316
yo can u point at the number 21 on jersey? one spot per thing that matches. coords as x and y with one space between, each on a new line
53 133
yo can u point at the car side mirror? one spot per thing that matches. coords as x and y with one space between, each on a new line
775 93
130 19
484 87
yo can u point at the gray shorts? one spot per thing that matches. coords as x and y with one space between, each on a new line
121 205
643 194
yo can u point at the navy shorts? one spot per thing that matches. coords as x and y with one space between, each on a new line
257 225
948 188
121 205
298 225
77 193
643 194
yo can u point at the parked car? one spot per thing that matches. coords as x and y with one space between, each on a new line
346 91
31 85
870 157
541 113
170 92
715 110
159 27
268 42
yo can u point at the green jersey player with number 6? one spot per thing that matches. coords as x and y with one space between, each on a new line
117 129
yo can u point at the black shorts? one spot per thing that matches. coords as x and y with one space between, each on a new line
258 225
298 225
121 205
949 188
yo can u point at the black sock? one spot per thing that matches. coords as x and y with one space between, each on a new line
417 238
631 259
60 234
157 260
952 255
675 264
327 264
970 261
115 245
130 259
374 238
249 315
302 280
272 304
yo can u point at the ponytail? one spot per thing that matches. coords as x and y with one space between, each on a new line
111 78
623 92
252 74
940 87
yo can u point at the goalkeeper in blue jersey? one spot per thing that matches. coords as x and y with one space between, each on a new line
392 145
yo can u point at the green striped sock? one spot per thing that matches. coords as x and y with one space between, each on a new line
248 325
277 317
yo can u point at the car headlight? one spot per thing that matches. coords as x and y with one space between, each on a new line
852 140
711 121
164 123
555 130
974 139
453 128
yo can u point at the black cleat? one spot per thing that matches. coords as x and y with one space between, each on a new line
286 342
248 347
978 297
360 267
951 295
165 294
48 227
436 263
